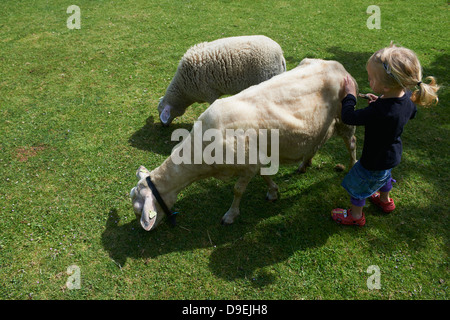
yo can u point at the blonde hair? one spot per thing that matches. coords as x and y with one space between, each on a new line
398 67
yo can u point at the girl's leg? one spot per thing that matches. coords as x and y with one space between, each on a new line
384 196
354 216
382 199
384 191
357 207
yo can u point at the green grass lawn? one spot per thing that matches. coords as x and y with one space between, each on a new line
78 116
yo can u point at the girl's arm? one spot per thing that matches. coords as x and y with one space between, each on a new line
354 117
349 115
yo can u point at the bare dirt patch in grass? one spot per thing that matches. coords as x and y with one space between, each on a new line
24 153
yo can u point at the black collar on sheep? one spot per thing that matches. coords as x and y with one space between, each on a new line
171 216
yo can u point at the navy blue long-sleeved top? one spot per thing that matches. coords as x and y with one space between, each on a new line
383 120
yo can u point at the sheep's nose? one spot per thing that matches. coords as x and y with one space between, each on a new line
137 207
133 193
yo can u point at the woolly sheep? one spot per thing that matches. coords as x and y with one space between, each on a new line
302 104
226 66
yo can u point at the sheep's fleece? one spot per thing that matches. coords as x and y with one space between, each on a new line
303 104
226 66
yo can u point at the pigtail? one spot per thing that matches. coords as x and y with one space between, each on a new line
426 93
401 69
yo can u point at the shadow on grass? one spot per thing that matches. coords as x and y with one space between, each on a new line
156 138
264 234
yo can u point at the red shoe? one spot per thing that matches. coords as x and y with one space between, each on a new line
344 216
387 207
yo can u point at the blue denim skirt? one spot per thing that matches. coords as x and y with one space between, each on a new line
361 183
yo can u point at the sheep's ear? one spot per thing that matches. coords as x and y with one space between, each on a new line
142 173
165 115
148 217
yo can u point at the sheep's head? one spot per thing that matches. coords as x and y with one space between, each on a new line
165 112
169 110
144 203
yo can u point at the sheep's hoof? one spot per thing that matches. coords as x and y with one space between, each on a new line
301 170
271 197
225 223
229 217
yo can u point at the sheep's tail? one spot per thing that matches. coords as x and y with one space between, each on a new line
283 63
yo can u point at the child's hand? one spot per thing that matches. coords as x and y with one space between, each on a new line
371 97
349 86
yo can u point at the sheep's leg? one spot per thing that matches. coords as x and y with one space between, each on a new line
307 161
348 135
272 194
239 189
350 143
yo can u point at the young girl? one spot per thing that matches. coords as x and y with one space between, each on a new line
393 73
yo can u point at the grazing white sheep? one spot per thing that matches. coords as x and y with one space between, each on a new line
302 105
226 66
